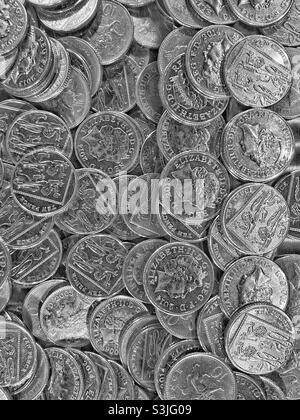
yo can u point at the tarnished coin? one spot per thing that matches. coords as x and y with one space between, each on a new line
144 351
134 266
178 279
90 375
117 92
18 228
214 11
114 34
126 387
89 211
174 137
184 14
194 174
272 391
205 58
35 51
289 106
151 26
250 280
38 382
147 126
5 294
287 31
183 326
108 141
33 303
211 327
147 92
88 52
107 321
66 379
258 71
200 376
94 266
35 129
108 380
260 13
257 146
4 395
289 187
151 159
44 182
35 265
248 389
168 359
255 219
290 264
74 103
290 375
62 310
17 362
13 25
182 101
259 339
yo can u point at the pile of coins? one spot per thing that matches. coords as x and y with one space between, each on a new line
186 286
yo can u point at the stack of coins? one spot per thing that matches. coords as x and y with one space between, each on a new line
149 200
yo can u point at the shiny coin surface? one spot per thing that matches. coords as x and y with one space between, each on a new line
5 294
108 379
44 182
184 14
272 391
108 319
147 126
134 266
18 363
253 279
289 374
258 145
13 25
248 389
90 375
87 213
214 11
63 309
174 137
243 224
182 101
205 58
260 13
5 264
178 279
141 55
183 326
126 387
200 376
259 339
34 129
258 71
151 159
147 92
108 141
66 380
4 395
94 266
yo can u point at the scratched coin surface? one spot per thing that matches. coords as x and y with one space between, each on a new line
134 266
182 101
94 266
168 359
248 389
37 264
257 146
108 141
66 381
260 13
250 280
44 182
147 92
200 376
63 318
258 71
289 187
214 11
17 362
178 279
108 380
89 211
34 129
174 137
255 219
259 339
107 321
183 326
13 25
151 159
